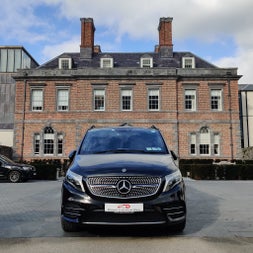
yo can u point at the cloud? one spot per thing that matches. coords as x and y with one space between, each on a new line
18 21
243 60
139 18
209 22
51 51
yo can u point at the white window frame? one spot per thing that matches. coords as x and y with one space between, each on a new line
106 62
37 103
98 92
192 99
60 144
205 140
126 93
216 144
37 143
61 63
153 92
49 142
210 142
185 65
146 62
62 103
218 100
193 144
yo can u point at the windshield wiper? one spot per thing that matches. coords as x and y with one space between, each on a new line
125 150
120 150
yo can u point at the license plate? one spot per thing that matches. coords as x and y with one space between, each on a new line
124 207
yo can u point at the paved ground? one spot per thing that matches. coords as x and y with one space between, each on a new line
220 218
126 245
220 208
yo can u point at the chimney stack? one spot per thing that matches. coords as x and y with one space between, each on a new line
165 47
87 38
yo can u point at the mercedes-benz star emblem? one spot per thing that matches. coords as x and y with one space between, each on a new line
124 186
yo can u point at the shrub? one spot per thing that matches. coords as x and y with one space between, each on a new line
46 169
205 169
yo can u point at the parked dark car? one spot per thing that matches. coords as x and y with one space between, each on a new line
123 176
15 172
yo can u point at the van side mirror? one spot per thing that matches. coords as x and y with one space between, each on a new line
72 155
174 155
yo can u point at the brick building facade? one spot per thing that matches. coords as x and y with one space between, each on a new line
193 102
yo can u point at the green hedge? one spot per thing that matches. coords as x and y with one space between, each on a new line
49 169
202 169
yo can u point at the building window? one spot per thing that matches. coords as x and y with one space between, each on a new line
106 62
216 145
59 144
126 100
65 63
204 149
188 62
48 141
99 100
204 142
193 143
147 62
153 99
216 100
37 100
62 99
190 100
36 144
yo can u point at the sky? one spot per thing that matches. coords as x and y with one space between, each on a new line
219 31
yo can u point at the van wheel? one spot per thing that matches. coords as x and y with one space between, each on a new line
69 226
14 176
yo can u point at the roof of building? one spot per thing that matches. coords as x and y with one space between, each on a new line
163 56
21 48
128 60
245 87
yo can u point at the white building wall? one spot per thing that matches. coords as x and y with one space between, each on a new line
247 117
6 137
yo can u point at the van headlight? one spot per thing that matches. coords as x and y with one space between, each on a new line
172 180
74 180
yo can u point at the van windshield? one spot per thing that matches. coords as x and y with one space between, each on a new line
123 140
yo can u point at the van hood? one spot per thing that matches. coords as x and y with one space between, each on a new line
122 164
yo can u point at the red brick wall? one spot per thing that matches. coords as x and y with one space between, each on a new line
81 116
87 33
165 32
